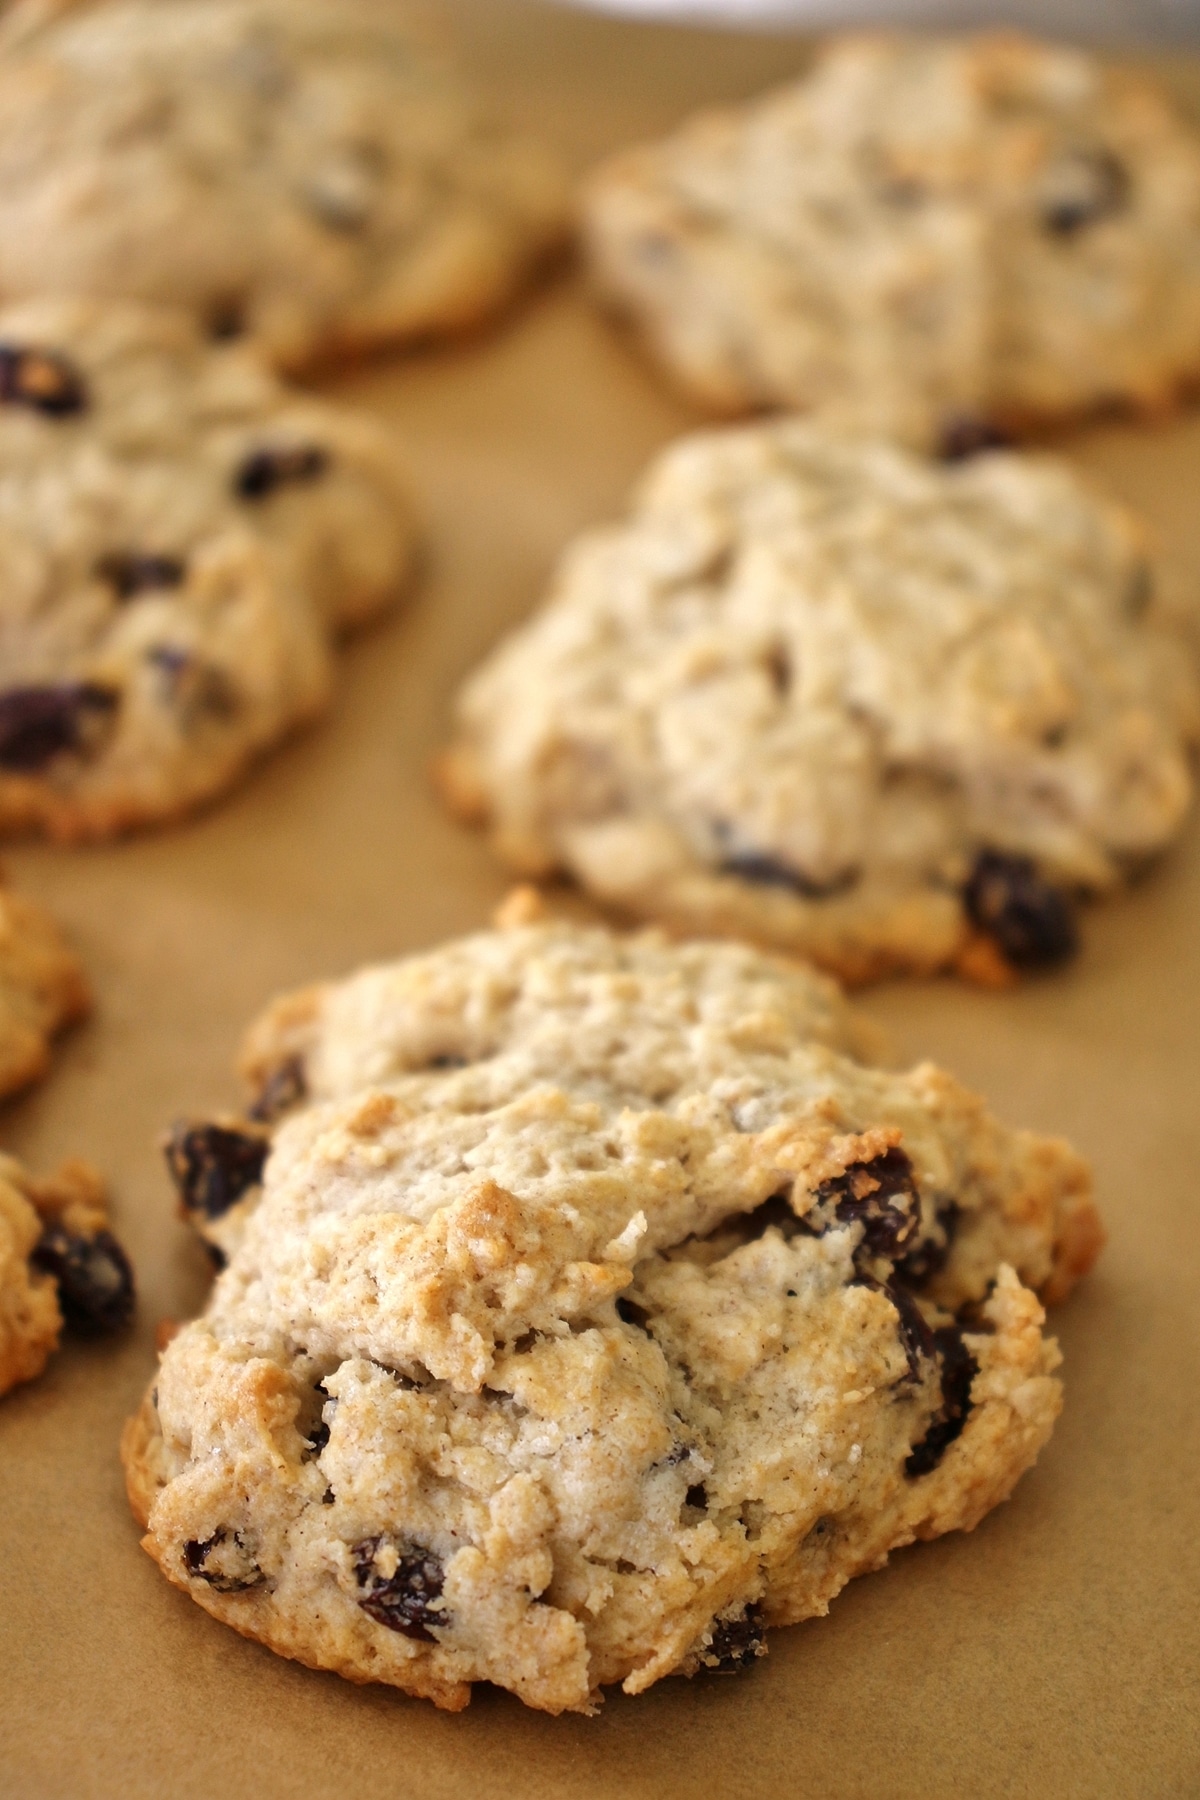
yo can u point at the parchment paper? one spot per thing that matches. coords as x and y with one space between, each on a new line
1053 1652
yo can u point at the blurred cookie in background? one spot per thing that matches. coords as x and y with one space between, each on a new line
42 989
302 171
887 713
934 239
182 538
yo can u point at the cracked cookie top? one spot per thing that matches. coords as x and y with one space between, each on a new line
601 1304
827 693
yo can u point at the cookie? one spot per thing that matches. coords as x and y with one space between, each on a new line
302 171
59 1262
42 988
933 239
884 712
600 1308
181 539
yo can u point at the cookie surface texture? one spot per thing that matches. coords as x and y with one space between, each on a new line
58 1261
182 538
843 699
299 170
600 1308
42 988
929 239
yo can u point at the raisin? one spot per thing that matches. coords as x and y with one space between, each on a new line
265 470
39 723
958 1371
968 434
1083 187
43 379
736 1643
95 1280
915 1332
767 871
212 1166
133 572
223 1561
283 1087
928 1258
403 1601
1032 923
882 1196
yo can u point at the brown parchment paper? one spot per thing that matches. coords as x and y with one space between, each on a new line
1053 1652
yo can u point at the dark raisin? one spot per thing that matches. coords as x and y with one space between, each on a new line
283 1087
212 1166
768 871
1083 187
316 1440
217 1257
1032 923
223 1562
133 572
958 1371
882 1196
403 1601
265 470
928 1258
95 1280
968 434
736 1643
43 379
915 1332
39 723
632 1313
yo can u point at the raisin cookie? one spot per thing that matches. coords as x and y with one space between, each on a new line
926 238
302 170
42 988
881 711
599 1309
59 1263
181 539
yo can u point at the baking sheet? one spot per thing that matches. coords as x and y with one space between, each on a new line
1053 1652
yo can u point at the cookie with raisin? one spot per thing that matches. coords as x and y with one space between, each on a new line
598 1307
942 240
182 540
304 172
893 714
59 1264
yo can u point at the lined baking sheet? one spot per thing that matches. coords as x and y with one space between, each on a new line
1054 1652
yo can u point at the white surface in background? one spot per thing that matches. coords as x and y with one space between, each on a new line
1151 20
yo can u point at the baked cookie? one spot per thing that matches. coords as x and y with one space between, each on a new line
181 538
302 170
59 1263
934 239
599 1309
42 988
881 711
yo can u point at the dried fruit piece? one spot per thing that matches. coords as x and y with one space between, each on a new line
736 1643
223 1561
1082 188
39 723
403 1599
95 1280
959 1370
265 470
1032 922
43 379
882 1195
133 572
212 1166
